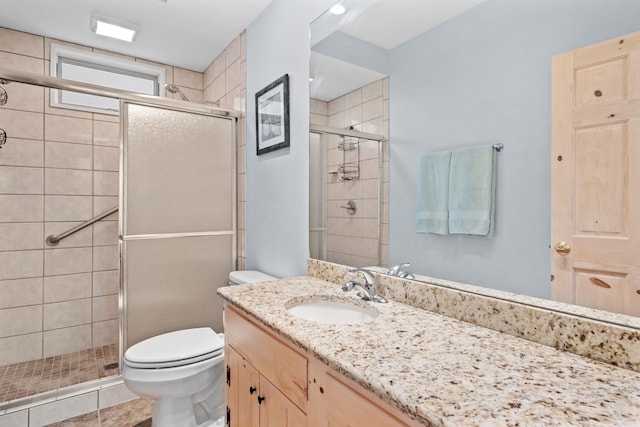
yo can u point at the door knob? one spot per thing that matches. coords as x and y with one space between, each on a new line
563 248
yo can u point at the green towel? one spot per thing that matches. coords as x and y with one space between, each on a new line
472 191
432 199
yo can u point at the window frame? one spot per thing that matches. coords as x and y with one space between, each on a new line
99 62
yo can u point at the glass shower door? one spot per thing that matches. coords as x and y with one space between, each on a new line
177 227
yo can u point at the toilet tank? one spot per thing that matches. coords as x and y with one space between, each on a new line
248 276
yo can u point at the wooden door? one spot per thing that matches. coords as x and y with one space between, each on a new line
595 196
276 410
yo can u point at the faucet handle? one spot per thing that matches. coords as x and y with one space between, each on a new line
369 276
396 270
349 285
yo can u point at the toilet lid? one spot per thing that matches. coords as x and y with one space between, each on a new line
175 348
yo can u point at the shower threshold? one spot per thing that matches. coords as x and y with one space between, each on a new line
25 379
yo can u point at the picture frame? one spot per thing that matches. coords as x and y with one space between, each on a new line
272 116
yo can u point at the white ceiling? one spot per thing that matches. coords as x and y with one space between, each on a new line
384 23
185 33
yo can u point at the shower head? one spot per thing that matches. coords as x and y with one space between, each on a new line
175 89
3 137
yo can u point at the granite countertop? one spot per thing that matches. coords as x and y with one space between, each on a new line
444 372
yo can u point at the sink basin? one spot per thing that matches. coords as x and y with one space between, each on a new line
331 312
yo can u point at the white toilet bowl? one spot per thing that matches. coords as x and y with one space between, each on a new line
183 372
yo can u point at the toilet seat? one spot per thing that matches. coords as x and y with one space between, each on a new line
173 349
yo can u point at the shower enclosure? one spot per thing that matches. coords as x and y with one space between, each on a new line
68 311
345 196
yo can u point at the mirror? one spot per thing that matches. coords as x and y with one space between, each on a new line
474 73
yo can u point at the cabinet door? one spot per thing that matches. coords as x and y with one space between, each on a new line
346 407
248 392
232 365
241 392
276 410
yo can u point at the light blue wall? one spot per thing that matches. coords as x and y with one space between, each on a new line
486 76
278 182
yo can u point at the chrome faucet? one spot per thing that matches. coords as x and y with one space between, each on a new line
367 291
397 271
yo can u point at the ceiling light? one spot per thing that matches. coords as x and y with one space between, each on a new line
338 9
112 28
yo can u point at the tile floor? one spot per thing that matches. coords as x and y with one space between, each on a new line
38 376
135 413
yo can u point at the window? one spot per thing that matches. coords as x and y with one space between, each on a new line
89 67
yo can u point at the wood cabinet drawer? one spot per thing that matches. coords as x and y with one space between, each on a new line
283 366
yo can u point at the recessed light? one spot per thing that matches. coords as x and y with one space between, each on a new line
113 28
338 9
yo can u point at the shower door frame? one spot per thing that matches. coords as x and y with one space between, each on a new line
9 76
323 131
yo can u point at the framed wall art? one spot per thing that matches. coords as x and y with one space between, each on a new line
272 116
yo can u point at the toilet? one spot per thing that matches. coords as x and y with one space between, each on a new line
248 276
183 371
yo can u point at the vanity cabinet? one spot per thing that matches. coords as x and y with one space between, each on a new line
266 379
270 383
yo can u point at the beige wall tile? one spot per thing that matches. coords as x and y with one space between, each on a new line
105 333
233 51
78 239
235 100
369 169
23 96
21 43
21 180
372 90
234 75
20 348
20 320
241 153
67 287
67 261
243 42
105 183
105 258
188 79
242 215
22 152
105 233
193 95
106 282
319 107
68 182
63 409
106 158
109 118
242 189
22 124
337 120
372 109
21 264
20 292
216 90
352 99
214 70
65 155
17 208
20 236
105 308
318 119
67 129
106 133
336 106
104 203
65 314
353 116
168 68
67 208
67 340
